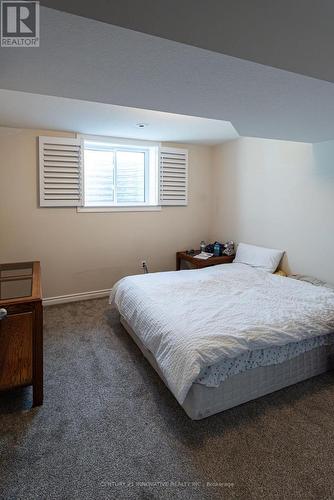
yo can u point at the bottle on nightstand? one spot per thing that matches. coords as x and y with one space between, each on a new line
217 249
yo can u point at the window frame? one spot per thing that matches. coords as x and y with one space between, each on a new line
126 145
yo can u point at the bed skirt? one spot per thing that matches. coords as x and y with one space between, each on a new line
202 401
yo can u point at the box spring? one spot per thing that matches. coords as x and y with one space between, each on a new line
202 401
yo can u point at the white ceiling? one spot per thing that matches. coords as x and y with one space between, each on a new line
21 109
294 35
84 59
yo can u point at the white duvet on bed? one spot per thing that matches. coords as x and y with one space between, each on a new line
193 319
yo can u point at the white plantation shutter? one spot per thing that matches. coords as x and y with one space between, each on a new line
173 176
60 172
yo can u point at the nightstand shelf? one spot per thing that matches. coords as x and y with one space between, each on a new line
199 263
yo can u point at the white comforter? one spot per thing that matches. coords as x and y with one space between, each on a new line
193 319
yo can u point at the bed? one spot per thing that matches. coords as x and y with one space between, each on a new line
227 334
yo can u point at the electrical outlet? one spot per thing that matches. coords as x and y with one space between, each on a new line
144 266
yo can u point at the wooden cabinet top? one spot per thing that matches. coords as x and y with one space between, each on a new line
20 282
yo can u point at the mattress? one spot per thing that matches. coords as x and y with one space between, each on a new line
214 375
192 320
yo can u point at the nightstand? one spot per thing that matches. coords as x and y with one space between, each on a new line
199 263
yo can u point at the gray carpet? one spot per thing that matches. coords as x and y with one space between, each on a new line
109 428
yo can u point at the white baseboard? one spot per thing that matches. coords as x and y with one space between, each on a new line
75 297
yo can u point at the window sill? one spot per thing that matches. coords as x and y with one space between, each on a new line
142 208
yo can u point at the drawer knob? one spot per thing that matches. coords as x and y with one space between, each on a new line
3 313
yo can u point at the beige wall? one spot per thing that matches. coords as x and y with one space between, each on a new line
277 194
271 193
80 252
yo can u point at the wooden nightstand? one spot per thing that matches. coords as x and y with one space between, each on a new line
199 263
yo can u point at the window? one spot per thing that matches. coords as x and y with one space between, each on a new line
120 175
100 174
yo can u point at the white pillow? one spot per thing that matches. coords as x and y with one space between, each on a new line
266 259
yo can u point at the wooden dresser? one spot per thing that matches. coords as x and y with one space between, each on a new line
21 328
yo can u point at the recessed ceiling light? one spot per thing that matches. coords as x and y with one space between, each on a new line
141 125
